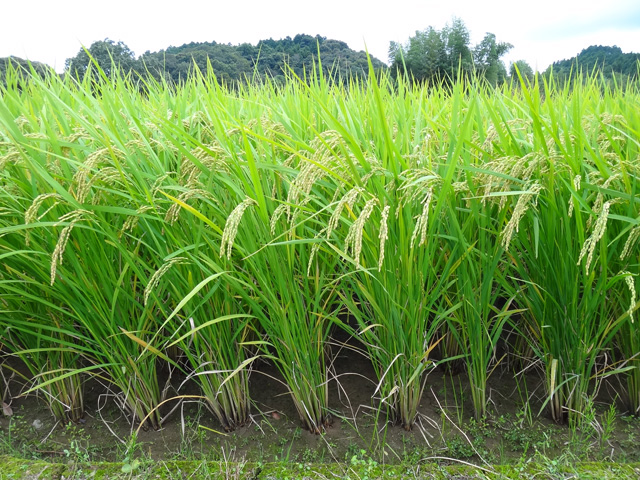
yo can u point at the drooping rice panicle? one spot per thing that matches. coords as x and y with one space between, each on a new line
422 222
630 281
634 234
353 240
158 274
524 201
598 231
56 257
231 227
384 233
576 185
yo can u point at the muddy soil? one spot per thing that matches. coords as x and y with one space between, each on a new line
513 430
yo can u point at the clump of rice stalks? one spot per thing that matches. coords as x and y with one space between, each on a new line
37 327
293 308
50 352
394 296
217 339
574 326
479 303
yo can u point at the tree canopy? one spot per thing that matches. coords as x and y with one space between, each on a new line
231 63
526 72
106 53
433 55
610 61
22 67
430 56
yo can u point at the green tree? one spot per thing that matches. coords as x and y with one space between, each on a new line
432 56
107 54
427 55
457 39
526 72
268 59
486 57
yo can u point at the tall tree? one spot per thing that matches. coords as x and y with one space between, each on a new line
457 39
486 57
432 56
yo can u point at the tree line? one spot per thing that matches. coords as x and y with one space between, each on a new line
270 58
610 62
435 56
428 57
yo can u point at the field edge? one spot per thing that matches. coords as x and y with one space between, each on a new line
23 469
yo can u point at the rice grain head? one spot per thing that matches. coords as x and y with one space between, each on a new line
132 220
629 280
576 186
32 211
598 231
108 175
275 216
347 200
423 220
513 225
81 177
384 234
155 278
56 258
353 241
12 156
314 249
30 216
597 205
312 171
231 226
157 184
634 234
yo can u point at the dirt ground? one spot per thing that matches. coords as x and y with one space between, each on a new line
445 429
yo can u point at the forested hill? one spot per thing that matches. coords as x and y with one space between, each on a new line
231 63
20 64
609 60
268 58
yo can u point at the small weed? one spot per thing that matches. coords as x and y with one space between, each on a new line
366 465
310 456
458 447
480 428
77 453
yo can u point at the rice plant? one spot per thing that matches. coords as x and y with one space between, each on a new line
142 225
394 290
288 286
216 339
566 262
36 326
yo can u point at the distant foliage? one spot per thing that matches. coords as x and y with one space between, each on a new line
433 56
610 61
523 68
19 67
231 63
107 54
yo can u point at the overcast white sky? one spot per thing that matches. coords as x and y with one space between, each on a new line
541 31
